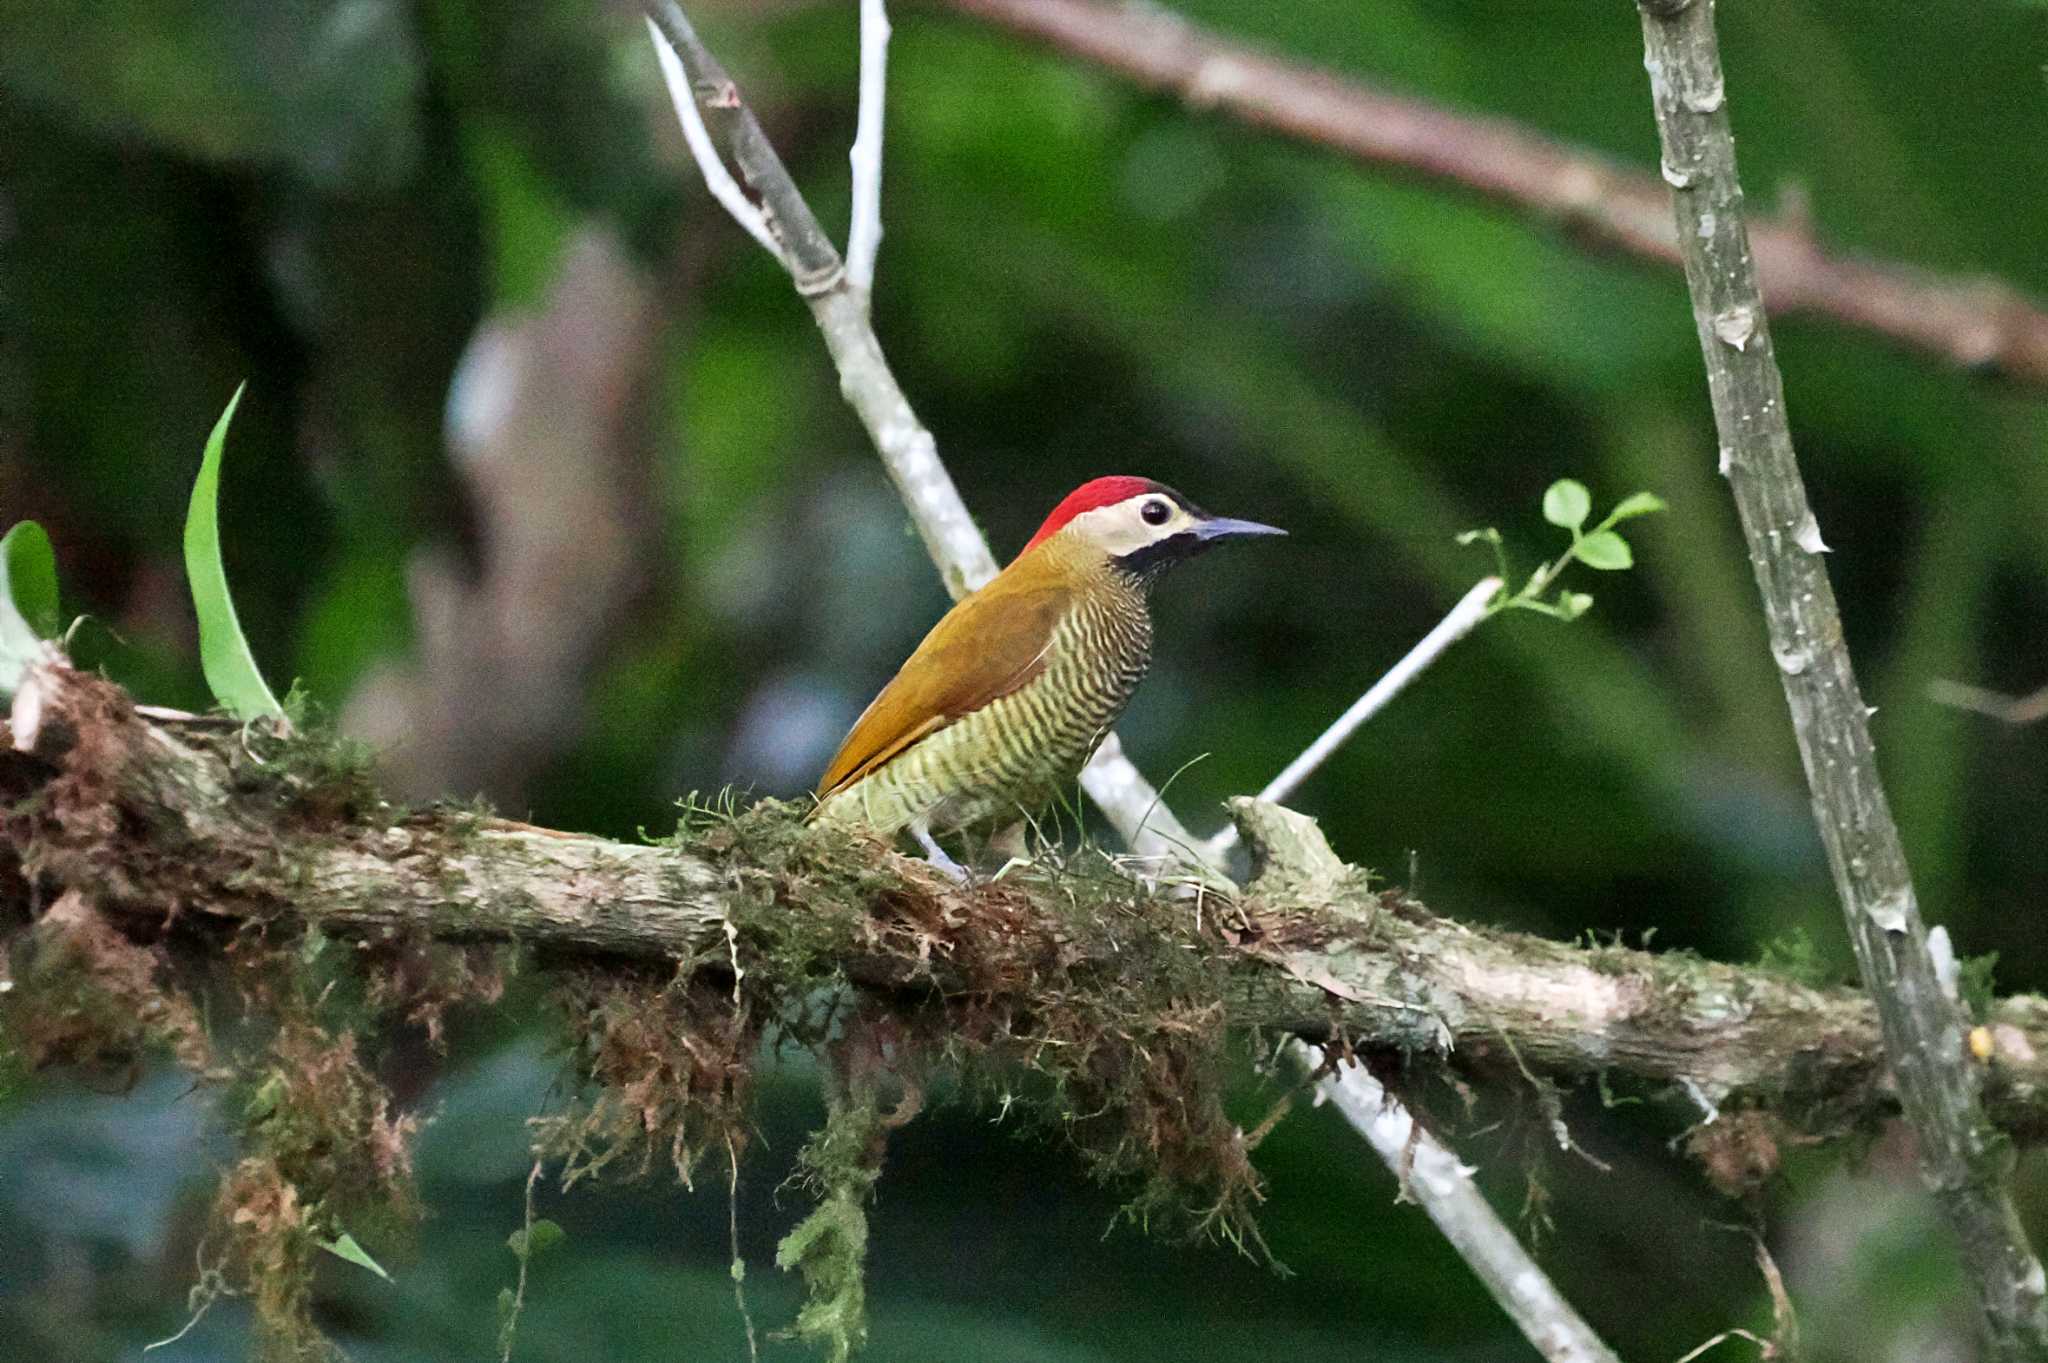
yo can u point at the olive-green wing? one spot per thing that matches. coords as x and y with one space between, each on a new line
989 645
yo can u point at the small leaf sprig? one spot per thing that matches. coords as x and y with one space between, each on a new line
1567 505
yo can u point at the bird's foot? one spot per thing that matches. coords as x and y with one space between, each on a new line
936 855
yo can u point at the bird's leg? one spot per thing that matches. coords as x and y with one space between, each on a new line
936 854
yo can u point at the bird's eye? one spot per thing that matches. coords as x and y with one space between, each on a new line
1155 512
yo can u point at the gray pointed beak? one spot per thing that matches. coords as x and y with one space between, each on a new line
1223 528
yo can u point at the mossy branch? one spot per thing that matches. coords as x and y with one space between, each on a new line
196 831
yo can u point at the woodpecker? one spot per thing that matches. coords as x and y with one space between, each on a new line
1012 690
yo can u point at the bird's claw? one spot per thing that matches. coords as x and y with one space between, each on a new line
936 856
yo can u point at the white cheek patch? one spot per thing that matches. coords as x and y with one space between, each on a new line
1121 529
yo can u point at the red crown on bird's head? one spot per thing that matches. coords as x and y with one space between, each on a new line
1087 497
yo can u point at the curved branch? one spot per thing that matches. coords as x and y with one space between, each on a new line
1981 324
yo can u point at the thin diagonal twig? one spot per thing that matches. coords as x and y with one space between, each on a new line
2017 711
1459 622
1442 1185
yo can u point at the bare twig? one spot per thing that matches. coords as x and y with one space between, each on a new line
2017 711
1747 1336
1442 1185
1940 1086
1981 324
1461 620
907 449
864 237
717 178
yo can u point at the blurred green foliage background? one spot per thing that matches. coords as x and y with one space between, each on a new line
543 481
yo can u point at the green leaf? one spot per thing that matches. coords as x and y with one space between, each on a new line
230 670
1572 605
28 600
535 1239
1633 505
1605 550
344 1246
508 1304
28 577
1566 503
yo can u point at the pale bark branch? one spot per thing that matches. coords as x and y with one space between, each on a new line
2018 711
1442 1185
1982 324
864 236
1923 1024
1460 621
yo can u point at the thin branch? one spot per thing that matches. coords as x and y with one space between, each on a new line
1442 1185
717 178
1462 619
1981 324
864 238
1940 1086
907 449
2017 711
